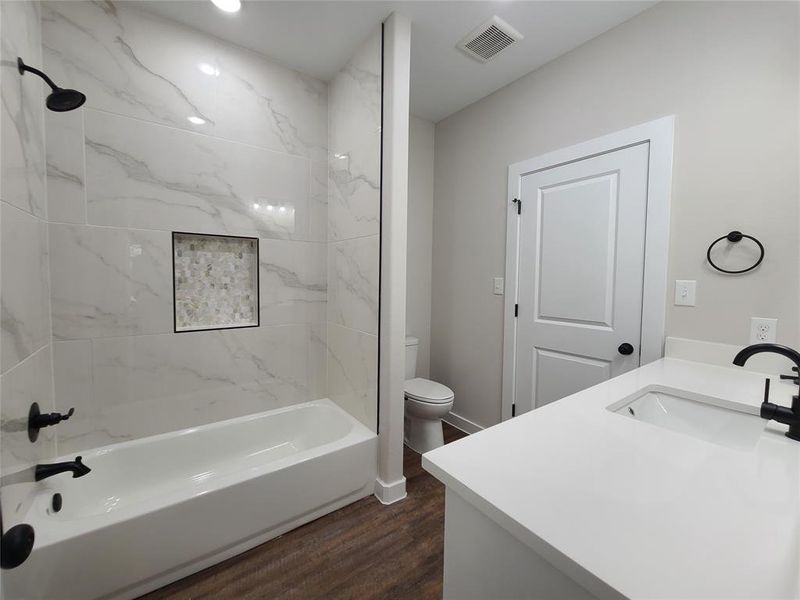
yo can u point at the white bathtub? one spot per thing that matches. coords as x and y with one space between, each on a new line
156 509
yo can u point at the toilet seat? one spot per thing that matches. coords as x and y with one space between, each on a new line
430 392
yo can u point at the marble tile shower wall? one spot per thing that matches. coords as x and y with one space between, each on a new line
180 132
354 139
25 349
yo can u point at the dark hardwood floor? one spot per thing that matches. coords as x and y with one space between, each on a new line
365 550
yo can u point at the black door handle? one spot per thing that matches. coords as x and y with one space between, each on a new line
625 349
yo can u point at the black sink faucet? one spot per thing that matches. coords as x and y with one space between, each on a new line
770 411
76 466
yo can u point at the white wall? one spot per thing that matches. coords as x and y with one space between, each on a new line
420 238
729 72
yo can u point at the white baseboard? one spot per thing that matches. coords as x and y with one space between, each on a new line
461 423
389 493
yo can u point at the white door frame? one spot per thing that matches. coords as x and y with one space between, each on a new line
659 134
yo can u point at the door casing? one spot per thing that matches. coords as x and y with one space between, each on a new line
659 134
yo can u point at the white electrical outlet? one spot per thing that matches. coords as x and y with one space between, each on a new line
763 331
499 286
685 292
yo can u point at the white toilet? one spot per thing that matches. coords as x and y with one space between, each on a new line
427 402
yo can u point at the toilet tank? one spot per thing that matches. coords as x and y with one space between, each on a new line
412 344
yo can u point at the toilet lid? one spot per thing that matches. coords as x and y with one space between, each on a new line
425 390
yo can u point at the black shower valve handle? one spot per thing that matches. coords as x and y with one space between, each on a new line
55 418
37 420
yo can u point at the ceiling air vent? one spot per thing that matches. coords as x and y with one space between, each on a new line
490 38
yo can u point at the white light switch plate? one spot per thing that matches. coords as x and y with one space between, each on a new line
685 292
499 286
763 331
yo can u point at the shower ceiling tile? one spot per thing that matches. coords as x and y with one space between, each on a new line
216 282
109 281
155 177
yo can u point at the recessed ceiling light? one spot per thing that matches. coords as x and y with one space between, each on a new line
196 120
230 6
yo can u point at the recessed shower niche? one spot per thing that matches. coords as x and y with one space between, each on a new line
215 279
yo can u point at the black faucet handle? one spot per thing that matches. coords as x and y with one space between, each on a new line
794 378
38 419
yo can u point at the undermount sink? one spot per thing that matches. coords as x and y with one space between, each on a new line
703 417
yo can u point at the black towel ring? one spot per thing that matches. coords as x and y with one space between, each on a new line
734 237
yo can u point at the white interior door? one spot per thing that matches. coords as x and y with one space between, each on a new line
580 274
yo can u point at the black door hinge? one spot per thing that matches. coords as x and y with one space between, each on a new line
513 410
516 310
518 202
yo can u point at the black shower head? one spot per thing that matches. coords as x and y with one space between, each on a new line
60 99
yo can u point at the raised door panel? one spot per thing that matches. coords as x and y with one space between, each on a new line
577 232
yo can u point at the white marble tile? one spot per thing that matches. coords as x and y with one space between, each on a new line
72 382
154 177
318 202
22 154
353 280
130 63
135 64
265 104
270 363
293 282
318 360
28 382
66 199
354 140
353 373
109 282
24 289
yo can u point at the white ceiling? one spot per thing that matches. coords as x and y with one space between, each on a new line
317 37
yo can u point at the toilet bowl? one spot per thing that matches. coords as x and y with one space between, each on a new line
426 403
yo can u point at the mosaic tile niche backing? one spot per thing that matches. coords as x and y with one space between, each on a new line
216 281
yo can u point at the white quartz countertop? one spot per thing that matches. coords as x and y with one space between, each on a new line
629 509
